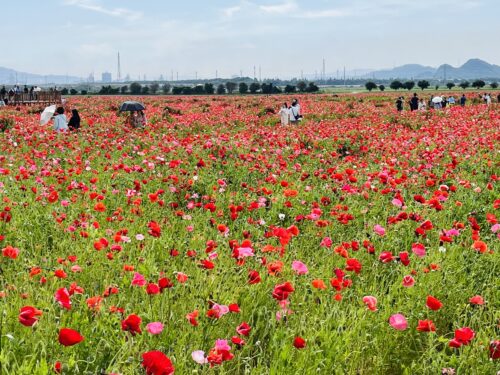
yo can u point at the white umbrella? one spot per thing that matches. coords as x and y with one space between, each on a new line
47 114
437 99
37 89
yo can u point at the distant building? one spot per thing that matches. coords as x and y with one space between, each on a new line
106 77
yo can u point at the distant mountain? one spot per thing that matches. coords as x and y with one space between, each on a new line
472 69
405 71
12 77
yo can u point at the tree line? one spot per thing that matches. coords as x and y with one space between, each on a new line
423 84
229 87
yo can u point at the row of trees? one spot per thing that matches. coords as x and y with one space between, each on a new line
423 84
206 89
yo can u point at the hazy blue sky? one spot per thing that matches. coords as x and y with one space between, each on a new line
282 36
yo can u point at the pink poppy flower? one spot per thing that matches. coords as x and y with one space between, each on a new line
221 345
408 281
380 230
138 279
326 242
418 249
370 302
398 322
155 328
299 267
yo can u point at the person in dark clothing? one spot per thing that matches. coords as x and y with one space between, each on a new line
74 121
463 99
3 92
414 102
399 104
498 98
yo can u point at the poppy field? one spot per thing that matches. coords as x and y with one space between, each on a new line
216 241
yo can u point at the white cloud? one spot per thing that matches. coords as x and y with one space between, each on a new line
327 13
283 8
114 12
231 11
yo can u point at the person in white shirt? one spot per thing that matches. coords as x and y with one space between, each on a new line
60 121
487 99
421 105
284 113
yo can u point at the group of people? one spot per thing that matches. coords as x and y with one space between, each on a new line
438 102
61 122
137 119
290 114
8 95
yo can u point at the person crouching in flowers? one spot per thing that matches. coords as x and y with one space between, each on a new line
141 119
60 121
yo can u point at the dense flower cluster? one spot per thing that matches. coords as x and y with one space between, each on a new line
358 241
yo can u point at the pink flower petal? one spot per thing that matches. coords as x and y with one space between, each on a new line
155 328
299 267
398 322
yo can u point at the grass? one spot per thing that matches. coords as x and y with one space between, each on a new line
252 156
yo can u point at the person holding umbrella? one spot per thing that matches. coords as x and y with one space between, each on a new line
136 118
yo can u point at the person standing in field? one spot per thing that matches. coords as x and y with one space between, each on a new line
498 98
487 99
399 104
60 122
295 115
463 100
421 105
284 113
414 102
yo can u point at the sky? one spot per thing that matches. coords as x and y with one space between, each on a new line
197 38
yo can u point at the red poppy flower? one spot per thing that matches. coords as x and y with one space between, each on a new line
426 326
191 317
352 264
463 336
10 252
433 303
318 284
281 291
253 277
69 337
165 283
243 329
132 324
495 349
154 229
238 341
62 296
28 316
157 363
299 342
476 300
152 288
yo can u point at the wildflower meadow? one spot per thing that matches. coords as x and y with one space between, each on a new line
216 241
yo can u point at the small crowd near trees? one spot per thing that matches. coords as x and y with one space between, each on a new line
423 84
438 102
